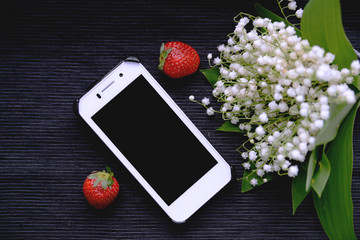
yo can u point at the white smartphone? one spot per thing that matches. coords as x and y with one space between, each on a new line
154 139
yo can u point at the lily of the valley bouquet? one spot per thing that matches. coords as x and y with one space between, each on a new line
294 94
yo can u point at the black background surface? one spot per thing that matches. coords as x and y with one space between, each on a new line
51 51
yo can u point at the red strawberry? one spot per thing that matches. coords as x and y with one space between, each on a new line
178 59
101 188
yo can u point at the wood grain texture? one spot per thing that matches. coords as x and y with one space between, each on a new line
50 51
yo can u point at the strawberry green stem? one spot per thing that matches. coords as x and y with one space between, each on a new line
104 178
163 55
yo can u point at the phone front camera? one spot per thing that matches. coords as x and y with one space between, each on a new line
98 95
121 74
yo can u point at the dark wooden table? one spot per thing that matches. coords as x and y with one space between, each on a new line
50 51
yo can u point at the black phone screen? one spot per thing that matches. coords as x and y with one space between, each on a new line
154 140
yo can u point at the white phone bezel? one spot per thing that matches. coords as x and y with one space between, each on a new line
198 194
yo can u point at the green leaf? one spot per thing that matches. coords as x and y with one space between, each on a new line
229 127
212 75
356 82
315 154
335 207
321 174
312 177
250 174
337 114
321 24
298 190
265 13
